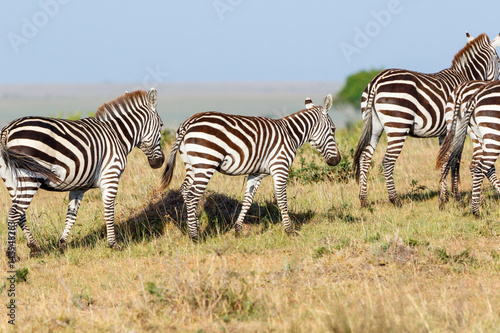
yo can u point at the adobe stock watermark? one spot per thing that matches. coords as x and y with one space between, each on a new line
222 7
364 35
31 26
11 285
152 78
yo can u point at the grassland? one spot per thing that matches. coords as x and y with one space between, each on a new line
380 269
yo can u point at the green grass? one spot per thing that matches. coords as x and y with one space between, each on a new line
383 268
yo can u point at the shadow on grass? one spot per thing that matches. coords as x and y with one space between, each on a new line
419 195
218 209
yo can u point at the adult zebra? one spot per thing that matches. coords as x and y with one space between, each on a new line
406 103
482 115
253 146
455 108
62 155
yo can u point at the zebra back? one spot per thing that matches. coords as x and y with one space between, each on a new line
239 145
78 151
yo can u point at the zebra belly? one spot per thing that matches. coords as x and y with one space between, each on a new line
231 165
411 124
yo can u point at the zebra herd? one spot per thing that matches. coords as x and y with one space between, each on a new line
75 156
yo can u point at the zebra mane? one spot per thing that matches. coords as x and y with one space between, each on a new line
462 56
118 105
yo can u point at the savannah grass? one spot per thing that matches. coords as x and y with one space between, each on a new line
377 269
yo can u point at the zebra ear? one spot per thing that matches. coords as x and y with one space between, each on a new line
469 37
309 103
153 97
496 41
328 103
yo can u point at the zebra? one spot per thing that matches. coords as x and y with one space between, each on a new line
75 156
403 103
482 115
244 145
455 108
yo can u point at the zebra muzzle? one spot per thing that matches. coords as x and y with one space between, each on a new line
332 161
157 162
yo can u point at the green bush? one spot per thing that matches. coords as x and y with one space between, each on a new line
354 86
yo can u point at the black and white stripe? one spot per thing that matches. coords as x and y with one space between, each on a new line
482 115
75 156
241 145
407 103
455 109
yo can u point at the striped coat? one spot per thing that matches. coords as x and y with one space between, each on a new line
241 145
482 116
404 103
75 156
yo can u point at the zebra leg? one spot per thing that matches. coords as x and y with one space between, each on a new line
75 198
443 191
21 196
395 142
188 181
108 197
17 216
477 155
253 183
492 177
485 167
192 197
280 176
477 179
365 161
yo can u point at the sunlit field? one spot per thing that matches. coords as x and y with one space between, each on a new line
378 269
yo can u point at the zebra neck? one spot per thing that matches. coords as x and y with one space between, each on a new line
126 132
299 126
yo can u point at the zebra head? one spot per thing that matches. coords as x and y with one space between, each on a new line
323 132
150 137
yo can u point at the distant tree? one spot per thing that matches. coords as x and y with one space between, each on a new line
354 86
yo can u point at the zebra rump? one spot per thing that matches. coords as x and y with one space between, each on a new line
19 161
453 145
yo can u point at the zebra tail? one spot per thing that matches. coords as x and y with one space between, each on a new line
17 161
448 139
169 169
453 155
366 134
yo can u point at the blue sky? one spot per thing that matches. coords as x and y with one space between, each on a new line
58 41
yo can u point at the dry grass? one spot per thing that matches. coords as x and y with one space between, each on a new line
410 269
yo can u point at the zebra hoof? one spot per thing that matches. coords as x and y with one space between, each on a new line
364 203
62 245
34 250
237 231
115 247
442 203
396 202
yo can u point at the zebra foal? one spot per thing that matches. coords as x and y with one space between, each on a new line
75 156
482 115
253 146
406 103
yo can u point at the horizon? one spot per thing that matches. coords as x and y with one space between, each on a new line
176 102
